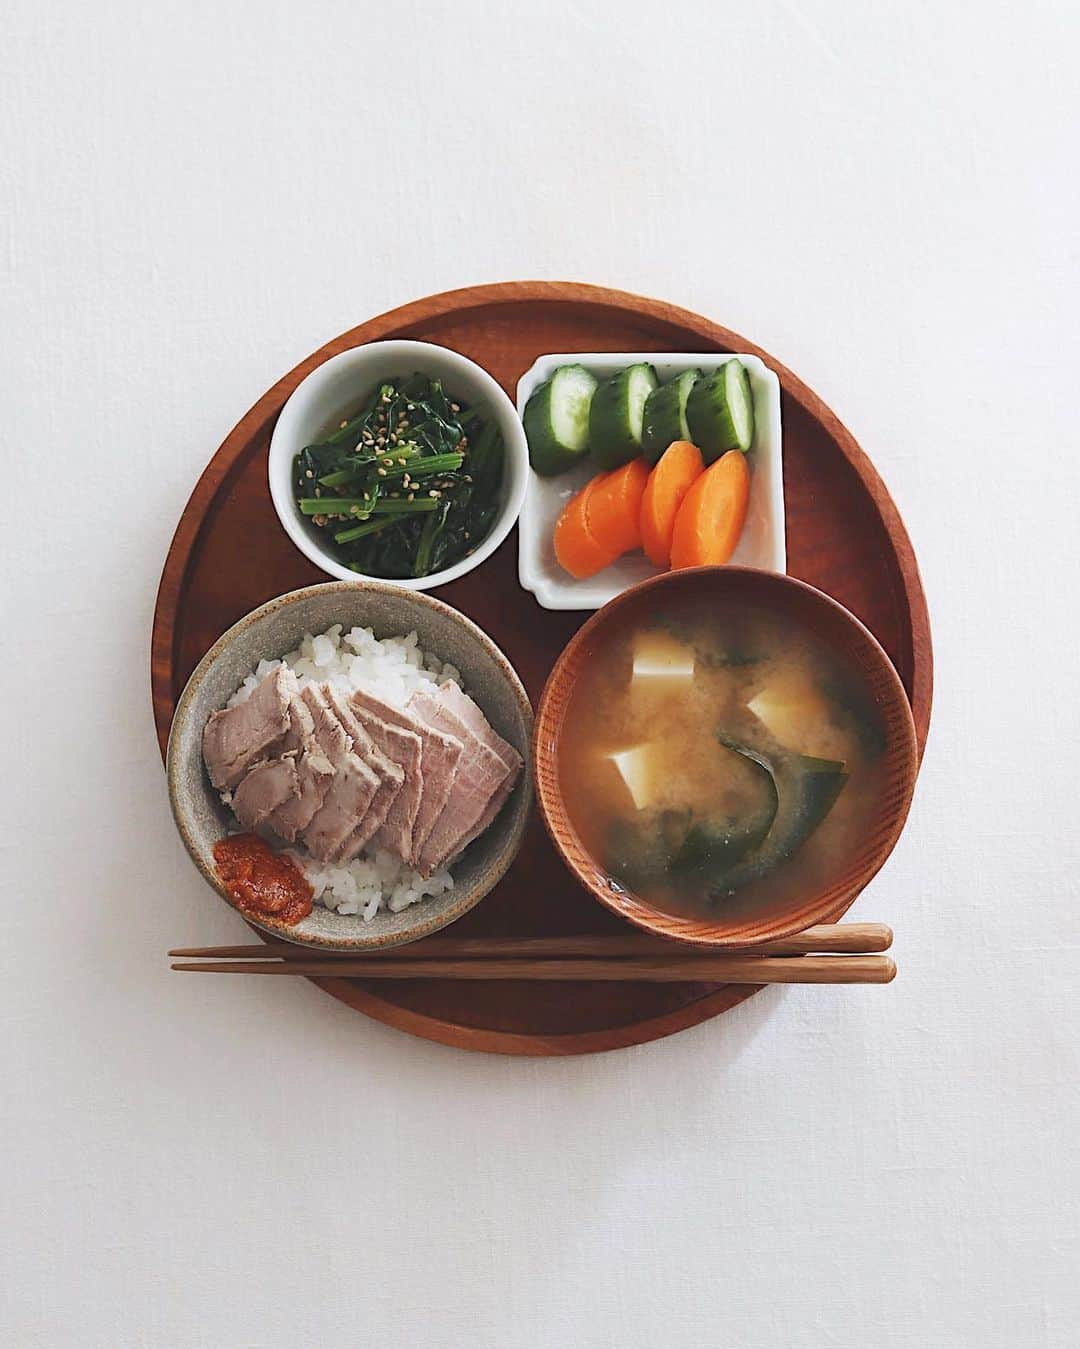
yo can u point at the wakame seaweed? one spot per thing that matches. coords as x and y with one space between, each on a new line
406 487
722 855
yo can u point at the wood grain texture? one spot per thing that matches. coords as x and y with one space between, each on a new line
847 938
844 535
748 969
803 609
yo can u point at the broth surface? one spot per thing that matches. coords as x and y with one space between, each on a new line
646 775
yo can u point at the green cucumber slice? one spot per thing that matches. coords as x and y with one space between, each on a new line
720 411
556 420
617 415
665 415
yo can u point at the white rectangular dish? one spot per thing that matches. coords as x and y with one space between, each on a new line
762 543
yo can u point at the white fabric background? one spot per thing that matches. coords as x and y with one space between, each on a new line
196 195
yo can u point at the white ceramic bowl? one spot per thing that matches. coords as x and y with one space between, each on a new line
337 386
762 544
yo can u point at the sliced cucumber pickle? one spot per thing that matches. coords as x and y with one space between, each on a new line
665 415
617 415
556 420
720 411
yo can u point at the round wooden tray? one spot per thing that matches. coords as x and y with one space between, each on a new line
229 554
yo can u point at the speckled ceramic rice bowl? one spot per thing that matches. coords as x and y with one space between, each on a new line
445 637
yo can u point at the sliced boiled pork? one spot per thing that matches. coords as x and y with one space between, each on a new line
351 790
265 788
237 737
300 729
454 697
314 773
390 776
395 834
341 772
439 756
480 773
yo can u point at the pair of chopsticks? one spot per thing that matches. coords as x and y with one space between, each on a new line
832 953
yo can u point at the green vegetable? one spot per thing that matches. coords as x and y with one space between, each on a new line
642 850
556 420
430 464
617 415
393 506
425 550
403 488
333 505
338 479
711 846
806 790
361 531
720 411
721 856
665 415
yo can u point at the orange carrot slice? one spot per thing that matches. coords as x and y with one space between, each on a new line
676 469
613 510
712 514
578 550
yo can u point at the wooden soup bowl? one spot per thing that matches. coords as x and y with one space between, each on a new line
789 601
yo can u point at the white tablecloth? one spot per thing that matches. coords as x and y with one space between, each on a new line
193 197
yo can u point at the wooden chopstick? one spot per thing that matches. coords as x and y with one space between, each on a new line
838 938
811 969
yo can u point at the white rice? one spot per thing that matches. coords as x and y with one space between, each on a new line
391 669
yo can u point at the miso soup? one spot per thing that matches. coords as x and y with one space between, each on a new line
717 755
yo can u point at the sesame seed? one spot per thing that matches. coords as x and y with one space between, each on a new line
434 493
381 472
309 474
411 496
343 426
402 461
456 407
